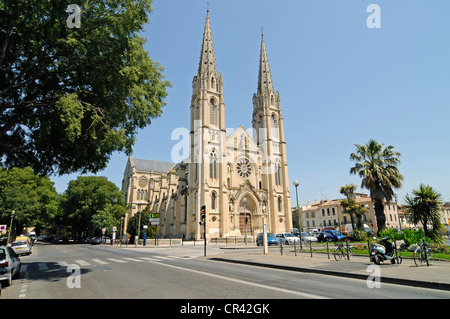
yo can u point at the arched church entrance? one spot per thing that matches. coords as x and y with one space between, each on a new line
247 208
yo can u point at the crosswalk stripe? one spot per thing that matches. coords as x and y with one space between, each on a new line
162 257
82 263
62 263
101 262
133 259
149 259
120 261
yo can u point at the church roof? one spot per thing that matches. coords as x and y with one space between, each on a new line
148 165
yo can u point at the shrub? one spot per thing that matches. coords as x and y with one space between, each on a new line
359 235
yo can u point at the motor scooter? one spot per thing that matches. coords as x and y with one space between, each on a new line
384 250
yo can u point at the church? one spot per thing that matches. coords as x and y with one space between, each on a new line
241 179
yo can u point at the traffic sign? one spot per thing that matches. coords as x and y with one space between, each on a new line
2 227
154 215
152 220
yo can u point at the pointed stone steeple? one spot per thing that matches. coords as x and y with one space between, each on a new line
265 85
207 64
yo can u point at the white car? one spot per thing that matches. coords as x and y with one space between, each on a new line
21 247
9 265
288 238
307 237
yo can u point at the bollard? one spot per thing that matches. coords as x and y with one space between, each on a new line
281 248
348 255
328 250
310 247
295 248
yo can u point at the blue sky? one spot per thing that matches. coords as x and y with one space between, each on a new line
340 83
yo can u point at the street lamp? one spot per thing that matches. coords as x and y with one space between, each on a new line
296 183
10 226
244 200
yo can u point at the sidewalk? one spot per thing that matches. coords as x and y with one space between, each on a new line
436 276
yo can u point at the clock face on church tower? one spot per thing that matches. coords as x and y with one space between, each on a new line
243 168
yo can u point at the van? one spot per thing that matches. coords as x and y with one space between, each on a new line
348 228
32 236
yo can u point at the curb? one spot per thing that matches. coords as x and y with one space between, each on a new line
390 280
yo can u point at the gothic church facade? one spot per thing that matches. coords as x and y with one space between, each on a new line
235 176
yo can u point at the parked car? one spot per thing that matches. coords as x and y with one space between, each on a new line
10 263
271 239
333 235
288 238
96 240
307 237
24 238
324 237
21 247
346 234
32 236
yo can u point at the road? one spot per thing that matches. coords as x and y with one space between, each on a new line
102 272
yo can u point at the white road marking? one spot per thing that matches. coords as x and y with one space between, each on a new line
133 259
118 260
82 263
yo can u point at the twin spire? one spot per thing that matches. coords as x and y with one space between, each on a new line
207 64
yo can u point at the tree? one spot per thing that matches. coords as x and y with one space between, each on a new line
91 203
377 165
32 197
70 97
425 207
350 206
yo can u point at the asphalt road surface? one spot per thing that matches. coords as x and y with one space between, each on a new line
77 271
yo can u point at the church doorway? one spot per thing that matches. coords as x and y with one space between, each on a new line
246 208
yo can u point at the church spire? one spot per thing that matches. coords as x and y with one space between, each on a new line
207 64
265 85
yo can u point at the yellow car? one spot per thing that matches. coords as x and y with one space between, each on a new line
346 234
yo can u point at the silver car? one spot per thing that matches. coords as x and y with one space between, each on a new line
21 247
288 238
307 237
9 262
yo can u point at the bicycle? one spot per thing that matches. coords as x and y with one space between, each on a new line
423 254
343 250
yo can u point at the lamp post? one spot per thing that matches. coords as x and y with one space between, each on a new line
10 226
296 183
244 200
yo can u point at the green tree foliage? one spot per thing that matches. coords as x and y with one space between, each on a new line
70 97
425 207
350 206
32 197
137 222
377 165
91 203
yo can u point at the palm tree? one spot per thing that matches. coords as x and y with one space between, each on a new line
425 207
350 206
377 165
